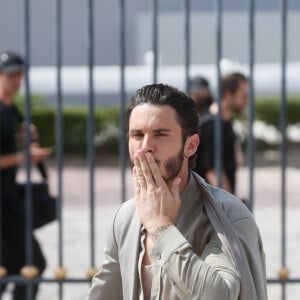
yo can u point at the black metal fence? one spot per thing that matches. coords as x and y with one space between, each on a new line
186 11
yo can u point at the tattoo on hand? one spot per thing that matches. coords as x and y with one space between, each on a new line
157 232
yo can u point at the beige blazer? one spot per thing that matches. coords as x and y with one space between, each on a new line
118 275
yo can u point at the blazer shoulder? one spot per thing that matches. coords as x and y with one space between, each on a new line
126 211
235 210
125 217
238 214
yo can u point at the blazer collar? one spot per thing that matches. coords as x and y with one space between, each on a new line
132 274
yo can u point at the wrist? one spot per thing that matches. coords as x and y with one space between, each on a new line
156 232
20 157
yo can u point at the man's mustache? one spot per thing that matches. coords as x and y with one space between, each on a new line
155 159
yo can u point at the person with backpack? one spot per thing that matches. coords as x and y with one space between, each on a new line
12 234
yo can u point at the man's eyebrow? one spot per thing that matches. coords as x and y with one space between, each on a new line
162 130
154 130
135 130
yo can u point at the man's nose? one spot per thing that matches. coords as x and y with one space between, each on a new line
148 144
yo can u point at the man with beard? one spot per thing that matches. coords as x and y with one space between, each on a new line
179 238
234 100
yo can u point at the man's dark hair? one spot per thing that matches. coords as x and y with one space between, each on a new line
161 94
198 82
200 92
11 62
231 82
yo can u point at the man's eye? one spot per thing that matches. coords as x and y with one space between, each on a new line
137 134
160 134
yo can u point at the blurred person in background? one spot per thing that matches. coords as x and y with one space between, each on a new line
199 91
234 88
12 241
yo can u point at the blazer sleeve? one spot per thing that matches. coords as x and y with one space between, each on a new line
252 244
211 276
107 283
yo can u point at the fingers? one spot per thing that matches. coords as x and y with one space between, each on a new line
154 169
146 170
40 151
38 154
175 188
33 133
139 176
136 181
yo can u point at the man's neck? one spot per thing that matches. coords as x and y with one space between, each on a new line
226 112
184 179
5 99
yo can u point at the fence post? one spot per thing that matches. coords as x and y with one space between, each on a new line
283 117
60 271
122 63
155 38
187 40
218 136
251 107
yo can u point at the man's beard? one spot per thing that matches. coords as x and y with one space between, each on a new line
172 165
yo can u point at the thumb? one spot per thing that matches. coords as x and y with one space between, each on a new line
175 188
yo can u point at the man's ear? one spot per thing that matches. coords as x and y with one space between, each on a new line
191 145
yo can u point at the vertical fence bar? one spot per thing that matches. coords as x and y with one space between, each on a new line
91 129
283 122
59 137
187 40
2 269
251 145
28 194
218 136
155 38
122 63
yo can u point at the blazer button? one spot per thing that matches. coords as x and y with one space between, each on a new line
157 256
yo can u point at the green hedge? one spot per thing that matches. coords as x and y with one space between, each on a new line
75 128
268 110
107 124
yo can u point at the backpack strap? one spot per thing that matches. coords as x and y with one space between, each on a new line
41 165
18 114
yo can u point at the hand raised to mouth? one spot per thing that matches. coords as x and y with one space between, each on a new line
157 204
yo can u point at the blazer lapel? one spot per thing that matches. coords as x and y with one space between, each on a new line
134 244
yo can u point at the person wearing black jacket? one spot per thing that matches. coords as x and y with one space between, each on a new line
12 243
234 88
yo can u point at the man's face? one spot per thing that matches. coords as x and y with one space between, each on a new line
155 129
11 83
240 98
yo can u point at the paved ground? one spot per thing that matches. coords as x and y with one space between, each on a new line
76 223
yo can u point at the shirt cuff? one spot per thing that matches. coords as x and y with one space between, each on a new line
171 241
